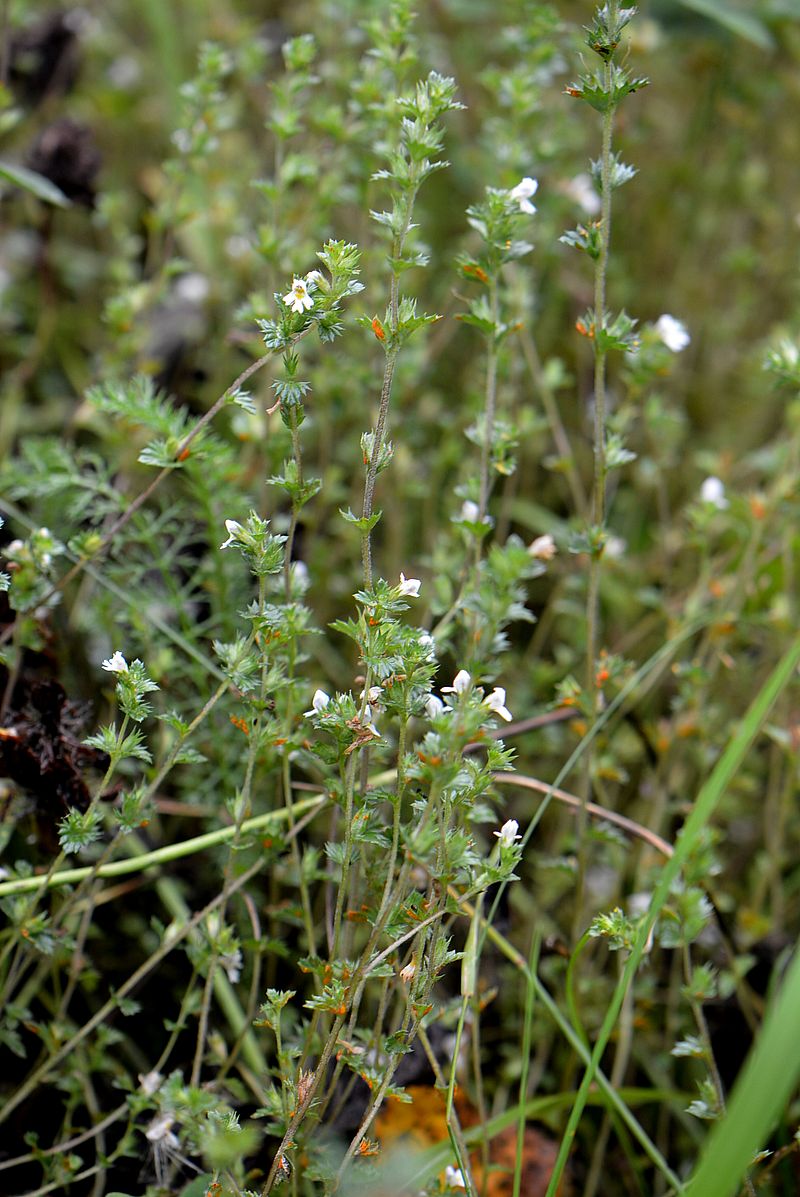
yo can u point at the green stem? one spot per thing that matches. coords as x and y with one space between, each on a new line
599 484
490 405
160 856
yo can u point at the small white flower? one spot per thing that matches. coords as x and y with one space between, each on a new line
454 1178
298 299
159 1130
427 641
522 194
543 548
470 512
434 707
313 276
232 963
407 973
581 190
318 703
192 288
615 547
374 695
674 334
116 663
233 528
461 683
496 702
507 835
13 549
150 1082
409 586
713 491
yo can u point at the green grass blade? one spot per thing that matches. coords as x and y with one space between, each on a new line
735 20
763 1088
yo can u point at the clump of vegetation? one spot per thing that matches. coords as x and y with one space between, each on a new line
399 651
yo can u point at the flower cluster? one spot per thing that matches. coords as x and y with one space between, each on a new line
463 686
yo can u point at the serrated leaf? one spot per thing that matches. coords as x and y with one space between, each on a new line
363 523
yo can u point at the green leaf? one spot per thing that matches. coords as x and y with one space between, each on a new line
363 525
35 183
743 24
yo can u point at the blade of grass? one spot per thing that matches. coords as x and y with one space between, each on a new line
527 1028
706 804
763 1088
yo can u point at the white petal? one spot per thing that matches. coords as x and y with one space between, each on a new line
116 663
409 586
461 683
672 332
496 703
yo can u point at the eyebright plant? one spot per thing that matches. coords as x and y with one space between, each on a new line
356 476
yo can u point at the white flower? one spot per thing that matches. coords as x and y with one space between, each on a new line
496 702
313 276
453 1178
298 299
470 512
713 491
233 528
232 963
409 586
13 549
615 547
522 194
159 1130
507 835
581 190
434 707
427 641
543 548
192 288
407 973
318 703
116 663
674 334
150 1082
461 683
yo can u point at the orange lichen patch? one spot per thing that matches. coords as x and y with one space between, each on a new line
377 328
240 723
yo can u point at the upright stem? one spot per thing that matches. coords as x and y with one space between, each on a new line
489 405
599 484
379 432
